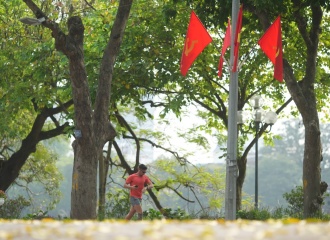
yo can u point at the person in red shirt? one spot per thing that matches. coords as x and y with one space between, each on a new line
138 183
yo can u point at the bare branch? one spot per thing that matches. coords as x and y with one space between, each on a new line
182 160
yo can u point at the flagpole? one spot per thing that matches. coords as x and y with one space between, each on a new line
231 161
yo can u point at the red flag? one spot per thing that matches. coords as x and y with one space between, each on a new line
237 37
197 39
271 45
226 44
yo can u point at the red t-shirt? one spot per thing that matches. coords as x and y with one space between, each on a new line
140 181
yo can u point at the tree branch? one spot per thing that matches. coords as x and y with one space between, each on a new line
182 160
123 123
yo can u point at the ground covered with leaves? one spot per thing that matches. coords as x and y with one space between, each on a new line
164 229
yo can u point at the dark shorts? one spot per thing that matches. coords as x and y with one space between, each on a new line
134 201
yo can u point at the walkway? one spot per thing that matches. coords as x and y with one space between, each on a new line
163 230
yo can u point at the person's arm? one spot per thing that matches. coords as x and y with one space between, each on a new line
149 186
128 186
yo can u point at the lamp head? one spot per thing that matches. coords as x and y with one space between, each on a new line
240 119
32 21
256 101
270 118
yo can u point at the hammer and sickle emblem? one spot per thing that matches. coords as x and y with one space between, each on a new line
191 47
277 53
239 37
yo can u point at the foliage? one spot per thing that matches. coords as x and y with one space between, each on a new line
3 194
38 215
254 214
295 208
177 214
295 198
278 213
202 184
32 75
12 208
152 214
30 81
40 177
117 204
138 73
277 173
280 171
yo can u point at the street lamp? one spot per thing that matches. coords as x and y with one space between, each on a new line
261 122
32 21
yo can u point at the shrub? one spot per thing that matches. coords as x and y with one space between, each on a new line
280 212
295 199
12 208
38 215
178 214
152 214
254 214
118 204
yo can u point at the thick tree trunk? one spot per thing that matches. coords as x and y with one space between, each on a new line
306 103
305 100
303 94
95 127
83 194
241 163
103 175
311 169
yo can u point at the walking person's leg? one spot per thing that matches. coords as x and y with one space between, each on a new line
130 214
138 209
135 208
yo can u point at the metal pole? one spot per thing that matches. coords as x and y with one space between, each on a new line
231 161
256 168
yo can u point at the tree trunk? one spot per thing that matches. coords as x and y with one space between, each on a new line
83 195
95 126
311 169
303 94
306 102
241 163
103 175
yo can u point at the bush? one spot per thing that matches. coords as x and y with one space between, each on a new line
280 212
295 209
178 214
295 199
38 215
152 214
254 214
12 208
117 205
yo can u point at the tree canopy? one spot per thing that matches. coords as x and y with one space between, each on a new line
84 63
